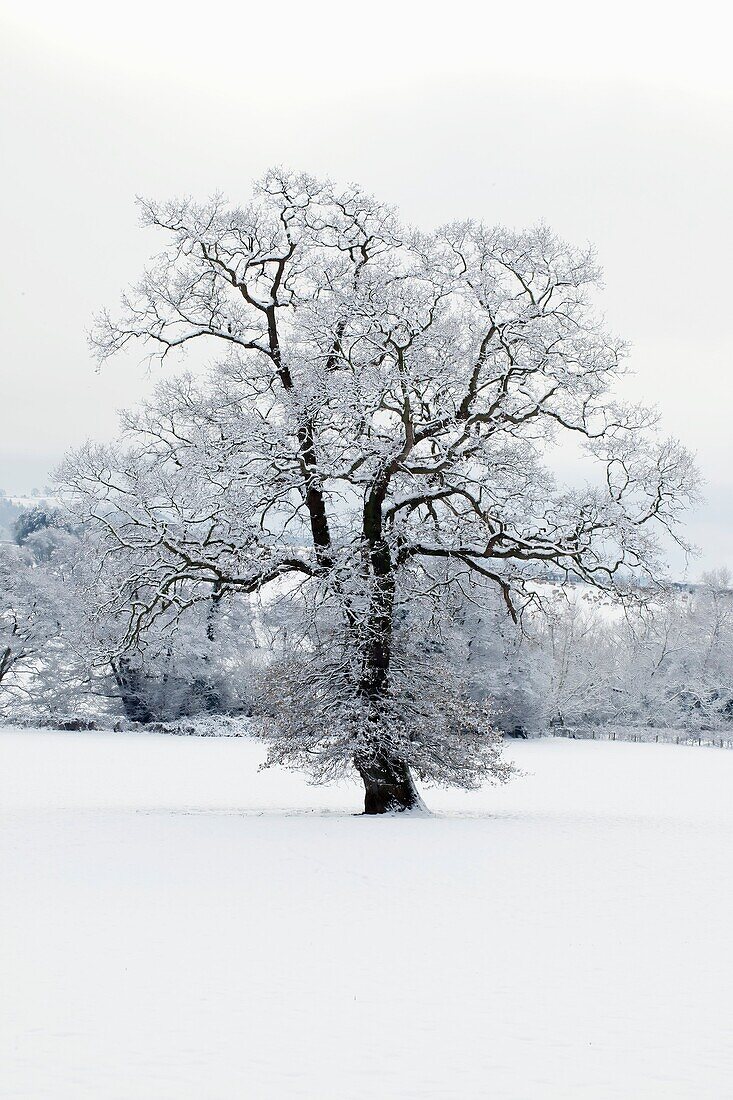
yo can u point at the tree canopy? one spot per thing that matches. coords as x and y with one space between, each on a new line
373 439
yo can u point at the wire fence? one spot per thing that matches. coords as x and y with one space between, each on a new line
647 735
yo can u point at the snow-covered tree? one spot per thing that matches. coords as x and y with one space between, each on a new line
373 441
666 659
198 662
678 657
32 521
34 612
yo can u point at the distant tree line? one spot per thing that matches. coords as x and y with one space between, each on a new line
574 658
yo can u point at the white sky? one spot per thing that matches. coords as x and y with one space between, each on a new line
613 123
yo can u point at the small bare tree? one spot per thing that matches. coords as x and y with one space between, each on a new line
374 438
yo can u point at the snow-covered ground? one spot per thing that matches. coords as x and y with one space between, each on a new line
174 925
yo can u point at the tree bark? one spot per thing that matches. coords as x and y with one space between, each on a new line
388 787
378 643
388 783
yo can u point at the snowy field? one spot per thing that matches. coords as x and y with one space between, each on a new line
176 926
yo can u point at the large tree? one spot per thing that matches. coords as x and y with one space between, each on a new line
373 440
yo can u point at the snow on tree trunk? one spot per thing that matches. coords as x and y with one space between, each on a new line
388 787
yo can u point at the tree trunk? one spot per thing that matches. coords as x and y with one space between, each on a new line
388 783
131 682
388 787
6 662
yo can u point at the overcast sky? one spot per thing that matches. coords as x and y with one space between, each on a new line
612 123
